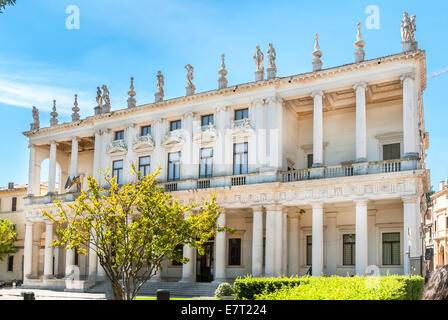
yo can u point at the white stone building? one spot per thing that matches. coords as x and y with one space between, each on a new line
322 169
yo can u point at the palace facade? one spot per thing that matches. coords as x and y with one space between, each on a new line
320 173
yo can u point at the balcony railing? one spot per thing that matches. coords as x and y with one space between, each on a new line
377 167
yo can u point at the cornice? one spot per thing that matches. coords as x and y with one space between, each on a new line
418 55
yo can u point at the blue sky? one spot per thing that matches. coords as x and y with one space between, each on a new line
42 60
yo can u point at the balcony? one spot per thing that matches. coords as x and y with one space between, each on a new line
116 148
355 169
241 127
144 143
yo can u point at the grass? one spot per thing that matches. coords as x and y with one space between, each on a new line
155 298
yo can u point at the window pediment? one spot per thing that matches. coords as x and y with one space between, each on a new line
144 143
241 127
116 148
173 138
205 134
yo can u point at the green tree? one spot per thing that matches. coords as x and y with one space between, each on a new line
131 251
4 3
8 237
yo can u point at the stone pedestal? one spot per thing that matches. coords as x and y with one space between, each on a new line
409 45
271 73
106 108
97 110
317 64
359 55
259 75
222 83
190 90
158 97
360 167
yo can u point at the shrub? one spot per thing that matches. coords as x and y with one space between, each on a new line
350 288
224 289
246 288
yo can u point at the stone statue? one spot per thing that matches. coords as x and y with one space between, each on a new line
36 124
106 99
190 86
271 57
408 28
259 57
99 99
160 83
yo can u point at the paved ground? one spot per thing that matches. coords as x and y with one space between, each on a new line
16 294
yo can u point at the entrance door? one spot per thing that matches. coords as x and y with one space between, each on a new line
204 264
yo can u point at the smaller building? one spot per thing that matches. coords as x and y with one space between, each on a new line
11 208
437 227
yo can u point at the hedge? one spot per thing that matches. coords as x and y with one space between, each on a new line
345 288
246 288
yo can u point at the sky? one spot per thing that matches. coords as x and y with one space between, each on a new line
41 59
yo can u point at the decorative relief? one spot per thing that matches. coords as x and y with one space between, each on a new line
117 147
205 134
241 127
173 138
144 143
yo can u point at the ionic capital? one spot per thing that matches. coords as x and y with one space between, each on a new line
361 85
410 75
317 93
361 202
409 199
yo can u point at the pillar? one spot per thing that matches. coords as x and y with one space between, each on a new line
318 130
131 157
31 172
100 273
188 268
411 209
270 242
97 154
28 250
293 244
361 144
52 169
318 240
410 147
48 262
220 267
74 163
257 242
189 171
284 269
93 259
331 243
69 261
361 238
222 120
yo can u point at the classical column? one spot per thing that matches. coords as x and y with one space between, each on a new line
361 240
270 242
275 121
331 243
411 209
48 262
221 126
28 250
284 243
93 259
31 171
361 144
97 154
188 268
131 157
101 273
318 240
257 242
74 163
188 171
410 148
220 267
69 261
318 148
293 244
52 169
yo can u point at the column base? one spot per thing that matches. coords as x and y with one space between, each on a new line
318 165
48 277
361 160
186 281
411 156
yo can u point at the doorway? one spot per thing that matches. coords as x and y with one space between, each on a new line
204 264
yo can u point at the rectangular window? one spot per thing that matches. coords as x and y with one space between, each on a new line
207 120
206 164
14 204
349 249
145 131
117 171
173 166
391 151
119 135
144 165
310 160
241 114
240 158
174 125
234 252
11 263
309 250
391 248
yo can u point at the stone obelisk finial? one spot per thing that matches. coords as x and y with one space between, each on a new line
317 54
132 103
359 45
54 114
222 81
75 109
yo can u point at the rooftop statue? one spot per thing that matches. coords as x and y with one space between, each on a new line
160 83
99 99
408 28
106 99
35 125
259 57
190 86
271 57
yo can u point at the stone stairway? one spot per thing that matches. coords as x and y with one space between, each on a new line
177 289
